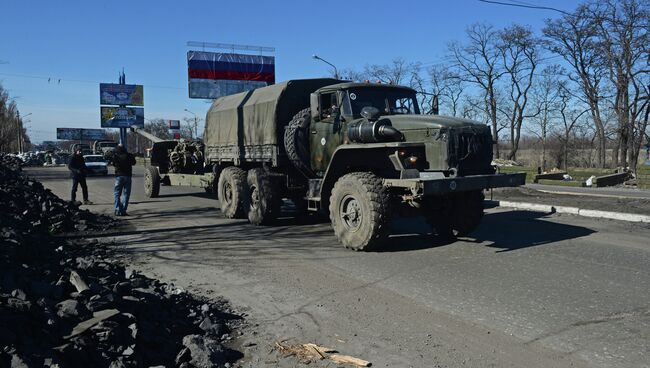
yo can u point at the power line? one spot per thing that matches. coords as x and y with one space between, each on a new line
524 5
59 80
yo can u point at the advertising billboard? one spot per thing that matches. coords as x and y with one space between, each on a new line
122 117
78 134
214 74
174 124
121 94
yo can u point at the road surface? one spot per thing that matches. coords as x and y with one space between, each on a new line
525 290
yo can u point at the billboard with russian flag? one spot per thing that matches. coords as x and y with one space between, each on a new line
214 74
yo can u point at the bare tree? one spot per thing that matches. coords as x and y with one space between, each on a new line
622 28
570 116
520 54
12 131
477 62
447 86
575 38
545 97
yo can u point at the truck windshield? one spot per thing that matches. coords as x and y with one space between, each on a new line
390 101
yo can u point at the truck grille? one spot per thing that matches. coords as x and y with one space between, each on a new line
470 152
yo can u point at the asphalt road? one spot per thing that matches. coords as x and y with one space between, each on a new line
525 290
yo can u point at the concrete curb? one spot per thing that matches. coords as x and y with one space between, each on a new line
631 217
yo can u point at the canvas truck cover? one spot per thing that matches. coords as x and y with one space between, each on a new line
258 117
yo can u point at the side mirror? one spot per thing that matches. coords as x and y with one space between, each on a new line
315 108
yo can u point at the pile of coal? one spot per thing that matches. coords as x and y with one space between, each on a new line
68 303
12 162
29 207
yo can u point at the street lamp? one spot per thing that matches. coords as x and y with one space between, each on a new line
336 71
20 134
196 123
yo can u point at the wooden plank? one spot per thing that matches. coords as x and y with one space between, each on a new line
346 359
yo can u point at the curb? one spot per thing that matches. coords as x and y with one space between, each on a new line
631 217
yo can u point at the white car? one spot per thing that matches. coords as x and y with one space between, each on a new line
96 165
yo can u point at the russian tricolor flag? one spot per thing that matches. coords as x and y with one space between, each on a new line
223 66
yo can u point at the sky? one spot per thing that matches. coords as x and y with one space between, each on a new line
54 54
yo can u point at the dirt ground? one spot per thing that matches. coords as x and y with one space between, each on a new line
590 201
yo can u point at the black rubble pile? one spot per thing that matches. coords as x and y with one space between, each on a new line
28 207
66 303
12 162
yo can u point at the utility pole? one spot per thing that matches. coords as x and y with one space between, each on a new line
19 131
196 123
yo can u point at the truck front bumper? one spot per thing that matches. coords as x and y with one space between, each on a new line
436 185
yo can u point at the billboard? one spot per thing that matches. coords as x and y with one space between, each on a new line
214 74
121 94
78 134
122 117
174 124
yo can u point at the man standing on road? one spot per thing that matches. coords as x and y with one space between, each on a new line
78 170
123 162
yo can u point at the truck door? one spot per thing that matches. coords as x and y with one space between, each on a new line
326 133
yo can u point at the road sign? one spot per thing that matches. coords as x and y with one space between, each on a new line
122 117
121 94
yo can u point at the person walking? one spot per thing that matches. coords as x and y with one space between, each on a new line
123 162
78 171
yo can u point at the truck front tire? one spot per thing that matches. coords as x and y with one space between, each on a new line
151 182
264 201
233 192
359 210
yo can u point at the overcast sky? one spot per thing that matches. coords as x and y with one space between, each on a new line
54 54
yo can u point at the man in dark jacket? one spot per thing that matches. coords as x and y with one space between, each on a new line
123 162
78 171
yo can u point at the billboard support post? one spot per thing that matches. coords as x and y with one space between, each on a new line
123 139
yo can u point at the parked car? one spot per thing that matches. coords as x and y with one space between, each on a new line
96 165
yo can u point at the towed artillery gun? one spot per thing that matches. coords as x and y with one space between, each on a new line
175 163
360 152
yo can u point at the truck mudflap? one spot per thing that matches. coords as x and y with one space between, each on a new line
430 184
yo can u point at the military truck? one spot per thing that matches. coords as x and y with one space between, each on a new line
361 152
103 146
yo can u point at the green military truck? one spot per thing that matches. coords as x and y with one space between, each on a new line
361 152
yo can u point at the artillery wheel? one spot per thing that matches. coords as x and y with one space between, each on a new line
360 210
264 201
296 142
151 182
233 192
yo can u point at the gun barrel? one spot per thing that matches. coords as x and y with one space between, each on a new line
145 134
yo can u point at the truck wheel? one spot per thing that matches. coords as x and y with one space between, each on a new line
296 142
264 202
359 210
233 192
468 212
151 182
